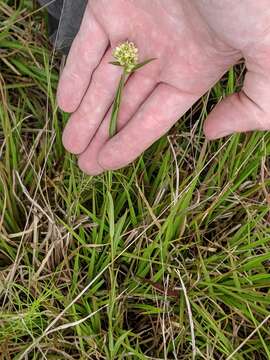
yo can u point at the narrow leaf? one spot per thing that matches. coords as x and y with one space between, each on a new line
110 211
116 107
136 67
117 63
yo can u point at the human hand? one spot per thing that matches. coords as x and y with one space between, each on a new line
195 42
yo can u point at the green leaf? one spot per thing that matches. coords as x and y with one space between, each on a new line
110 211
136 67
117 63
116 106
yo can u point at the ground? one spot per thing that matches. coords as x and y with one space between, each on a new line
168 258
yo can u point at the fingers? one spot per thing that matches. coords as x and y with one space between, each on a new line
85 54
85 121
155 117
137 89
246 111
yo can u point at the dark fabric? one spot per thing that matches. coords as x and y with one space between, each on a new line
65 18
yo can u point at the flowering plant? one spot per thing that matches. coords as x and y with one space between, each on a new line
126 56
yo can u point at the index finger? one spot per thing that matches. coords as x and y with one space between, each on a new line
85 54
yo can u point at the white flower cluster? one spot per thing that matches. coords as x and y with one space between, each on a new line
127 55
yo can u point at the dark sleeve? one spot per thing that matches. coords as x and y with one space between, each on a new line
65 18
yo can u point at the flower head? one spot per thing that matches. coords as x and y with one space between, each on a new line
127 55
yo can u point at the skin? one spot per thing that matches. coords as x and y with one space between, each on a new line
194 41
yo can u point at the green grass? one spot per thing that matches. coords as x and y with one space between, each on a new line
165 258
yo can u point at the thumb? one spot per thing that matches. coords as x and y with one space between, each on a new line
244 111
